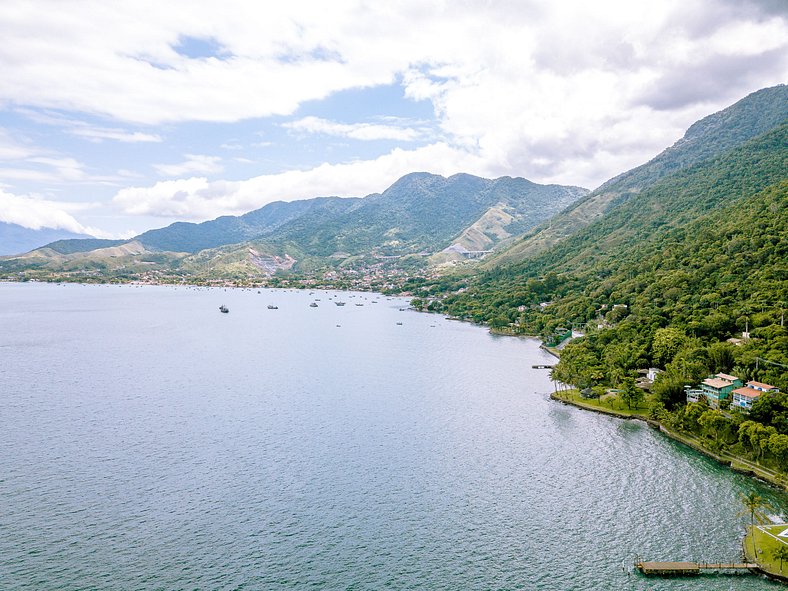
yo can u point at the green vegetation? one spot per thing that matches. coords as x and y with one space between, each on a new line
763 547
669 278
608 403
399 230
707 139
664 280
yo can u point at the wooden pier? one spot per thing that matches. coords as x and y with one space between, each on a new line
680 569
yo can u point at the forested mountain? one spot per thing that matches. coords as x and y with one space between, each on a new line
188 237
15 239
419 214
702 252
704 140
422 212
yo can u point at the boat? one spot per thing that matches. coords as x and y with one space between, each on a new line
359 304
340 303
399 324
224 309
272 307
313 305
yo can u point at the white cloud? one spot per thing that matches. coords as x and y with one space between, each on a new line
199 199
123 61
35 213
571 92
356 131
194 164
118 135
11 149
95 133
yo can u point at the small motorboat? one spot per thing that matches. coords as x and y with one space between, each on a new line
224 309
313 305
272 307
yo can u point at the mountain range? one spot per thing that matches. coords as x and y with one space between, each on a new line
515 227
419 216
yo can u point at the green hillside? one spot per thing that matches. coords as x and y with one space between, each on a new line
421 212
413 221
704 251
188 237
704 140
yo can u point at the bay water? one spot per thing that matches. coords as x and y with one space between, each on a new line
148 441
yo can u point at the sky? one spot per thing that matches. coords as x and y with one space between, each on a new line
118 116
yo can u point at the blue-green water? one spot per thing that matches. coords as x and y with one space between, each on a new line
149 442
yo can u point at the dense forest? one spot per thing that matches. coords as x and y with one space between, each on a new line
670 279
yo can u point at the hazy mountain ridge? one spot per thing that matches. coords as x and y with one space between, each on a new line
16 239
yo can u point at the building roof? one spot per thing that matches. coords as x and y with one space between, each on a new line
748 392
716 382
725 376
761 385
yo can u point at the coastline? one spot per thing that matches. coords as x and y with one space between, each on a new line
766 568
735 463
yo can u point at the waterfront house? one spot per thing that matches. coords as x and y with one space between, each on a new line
744 397
718 387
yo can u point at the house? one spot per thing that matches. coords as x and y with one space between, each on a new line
693 394
744 397
652 373
718 387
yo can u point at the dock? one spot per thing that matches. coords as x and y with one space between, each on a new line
681 569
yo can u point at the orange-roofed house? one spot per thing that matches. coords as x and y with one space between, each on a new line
744 397
718 387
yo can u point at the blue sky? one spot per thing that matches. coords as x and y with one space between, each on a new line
116 117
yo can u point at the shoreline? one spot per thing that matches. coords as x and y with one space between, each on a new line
749 556
731 461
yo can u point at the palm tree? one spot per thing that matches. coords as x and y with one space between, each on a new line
753 503
781 554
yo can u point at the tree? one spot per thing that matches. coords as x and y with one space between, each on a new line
657 411
499 322
780 554
667 342
771 408
668 388
778 447
753 503
692 413
630 393
721 356
713 421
